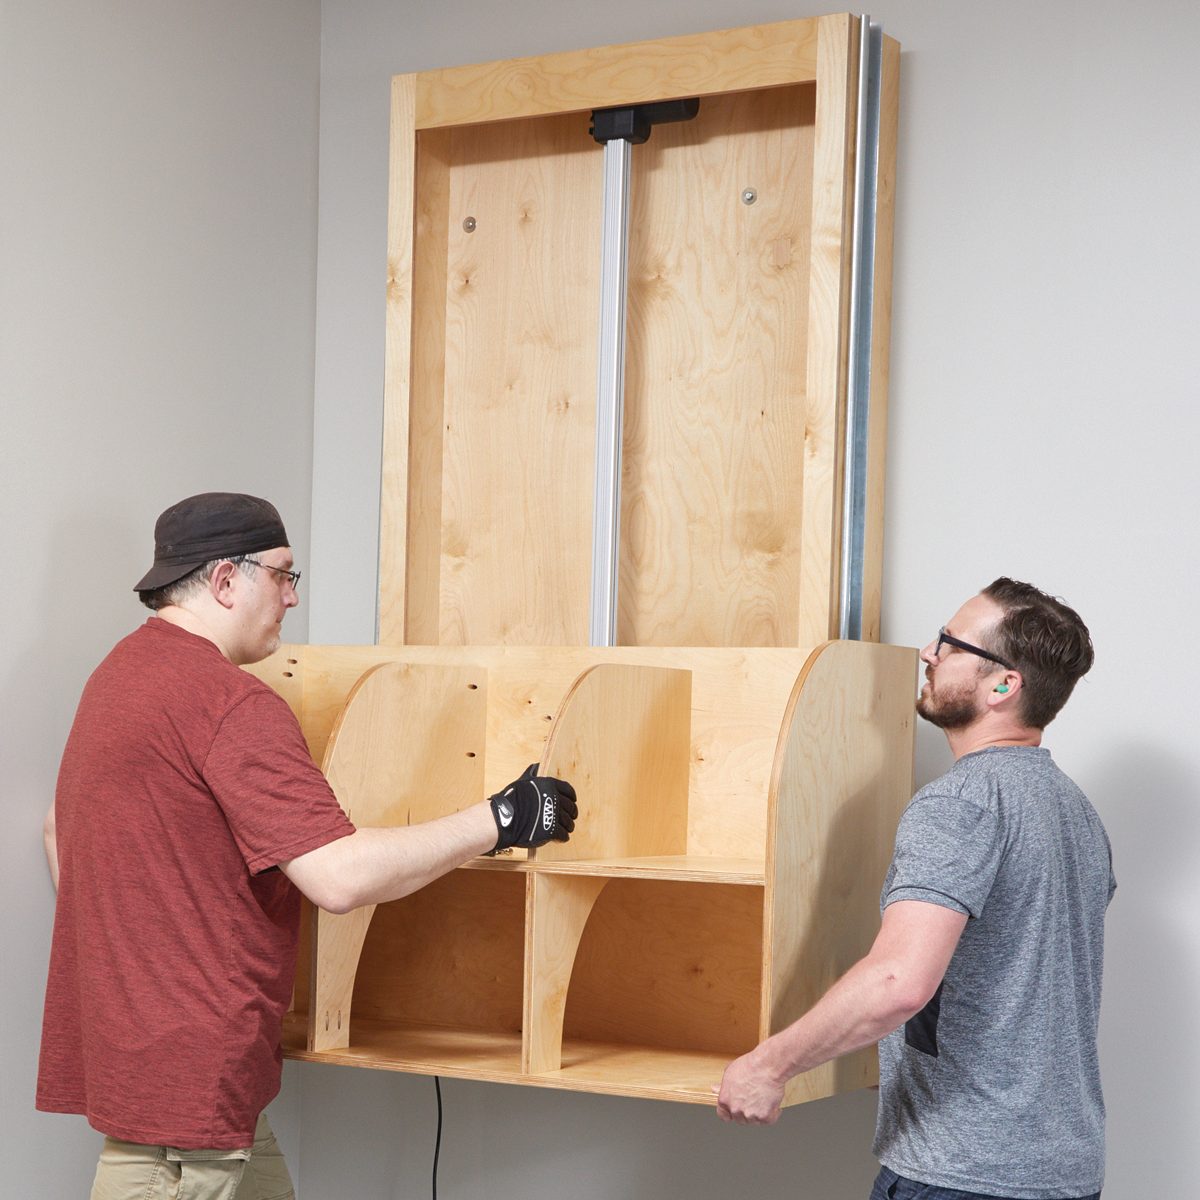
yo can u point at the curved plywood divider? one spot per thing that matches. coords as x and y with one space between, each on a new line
622 737
843 772
402 727
555 917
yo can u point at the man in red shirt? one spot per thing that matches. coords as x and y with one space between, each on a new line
188 818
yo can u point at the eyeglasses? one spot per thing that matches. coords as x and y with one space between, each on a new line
293 576
943 636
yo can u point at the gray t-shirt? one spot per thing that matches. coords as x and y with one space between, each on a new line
995 1086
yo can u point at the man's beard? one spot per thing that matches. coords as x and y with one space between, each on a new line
948 712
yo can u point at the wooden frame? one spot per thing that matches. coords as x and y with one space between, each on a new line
732 453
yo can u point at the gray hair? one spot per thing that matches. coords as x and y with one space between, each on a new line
192 583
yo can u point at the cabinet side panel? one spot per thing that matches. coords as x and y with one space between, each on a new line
829 309
842 777
881 329
715 408
521 316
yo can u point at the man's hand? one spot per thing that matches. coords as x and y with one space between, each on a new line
534 809
749 1094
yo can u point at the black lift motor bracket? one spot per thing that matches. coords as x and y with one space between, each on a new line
634 122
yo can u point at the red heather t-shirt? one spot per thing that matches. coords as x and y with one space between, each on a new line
184 780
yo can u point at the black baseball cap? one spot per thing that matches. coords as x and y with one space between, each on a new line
210 525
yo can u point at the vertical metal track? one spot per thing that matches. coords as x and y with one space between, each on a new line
610 394
862 296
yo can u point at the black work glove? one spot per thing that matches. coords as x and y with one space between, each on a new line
534 809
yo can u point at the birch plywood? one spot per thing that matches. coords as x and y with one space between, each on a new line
518 414
715 390
449 955
637 974
738 702
556 915
622 738
402 726
828 328
737 353
842 777
728 60
671 965
394 495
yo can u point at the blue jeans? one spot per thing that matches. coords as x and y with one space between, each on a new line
890 1186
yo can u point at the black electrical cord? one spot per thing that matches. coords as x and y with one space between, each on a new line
437 1145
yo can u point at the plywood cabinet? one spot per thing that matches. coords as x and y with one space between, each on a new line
736 814
739 774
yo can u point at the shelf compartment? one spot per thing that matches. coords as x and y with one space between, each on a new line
402 725
443 968
668 964
621 736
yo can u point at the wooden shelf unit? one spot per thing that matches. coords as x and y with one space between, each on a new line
636 972
739 774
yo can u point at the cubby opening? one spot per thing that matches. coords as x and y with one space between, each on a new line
666 984
440 978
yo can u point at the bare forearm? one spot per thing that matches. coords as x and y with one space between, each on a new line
880 992
372 866
866 1004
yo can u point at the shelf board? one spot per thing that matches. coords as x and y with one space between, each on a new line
650 1072
491 1056
694 868
418 1049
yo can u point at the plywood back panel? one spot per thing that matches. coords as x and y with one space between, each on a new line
670 965
715 381
736 365
451 954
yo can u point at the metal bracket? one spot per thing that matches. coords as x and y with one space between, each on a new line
618 130
862 298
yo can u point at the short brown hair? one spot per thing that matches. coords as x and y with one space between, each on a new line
1043 639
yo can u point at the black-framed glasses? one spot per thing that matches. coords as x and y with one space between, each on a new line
293 576
959 644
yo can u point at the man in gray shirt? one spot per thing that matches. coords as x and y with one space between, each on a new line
984 981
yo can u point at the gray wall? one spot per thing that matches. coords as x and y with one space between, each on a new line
156 309
158 204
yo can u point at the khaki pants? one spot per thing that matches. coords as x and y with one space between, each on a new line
131 1171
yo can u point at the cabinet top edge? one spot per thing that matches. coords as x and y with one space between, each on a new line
723 60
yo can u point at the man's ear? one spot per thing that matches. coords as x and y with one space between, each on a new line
220 583
1006 688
